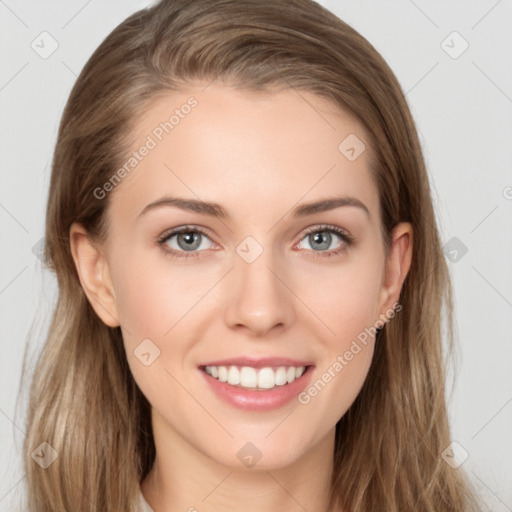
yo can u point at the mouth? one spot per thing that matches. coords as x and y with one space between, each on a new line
260 379
257 385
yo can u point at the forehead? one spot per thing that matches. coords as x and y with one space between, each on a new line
253 152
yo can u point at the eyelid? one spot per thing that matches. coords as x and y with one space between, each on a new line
183 229
317 228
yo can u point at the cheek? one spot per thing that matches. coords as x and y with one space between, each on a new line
152 296
355 307
345 299
348 305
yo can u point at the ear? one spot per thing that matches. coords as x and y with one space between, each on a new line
397 266
94 274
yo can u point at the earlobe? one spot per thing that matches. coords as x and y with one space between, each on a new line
397 266
94 274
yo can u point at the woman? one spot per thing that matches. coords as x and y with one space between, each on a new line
205 353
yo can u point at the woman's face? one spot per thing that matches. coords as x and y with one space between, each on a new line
258 282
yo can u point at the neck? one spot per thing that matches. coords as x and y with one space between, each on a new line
184 479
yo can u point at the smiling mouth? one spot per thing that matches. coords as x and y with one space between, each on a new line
247 377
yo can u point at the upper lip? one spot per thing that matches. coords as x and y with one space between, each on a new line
258 362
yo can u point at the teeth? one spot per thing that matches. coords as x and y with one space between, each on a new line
267 378
233 376
281 376
223 373
248 377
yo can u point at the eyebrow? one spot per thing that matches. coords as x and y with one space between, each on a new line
216 210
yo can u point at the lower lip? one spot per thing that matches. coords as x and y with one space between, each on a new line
257 400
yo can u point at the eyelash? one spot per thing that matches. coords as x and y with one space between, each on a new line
348 240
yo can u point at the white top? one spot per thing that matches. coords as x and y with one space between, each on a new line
143 504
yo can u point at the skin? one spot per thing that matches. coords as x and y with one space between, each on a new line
259 156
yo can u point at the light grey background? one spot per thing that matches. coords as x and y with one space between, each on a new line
463 110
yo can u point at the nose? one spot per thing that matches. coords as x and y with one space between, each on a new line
261 299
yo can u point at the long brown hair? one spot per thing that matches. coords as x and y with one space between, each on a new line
84 401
